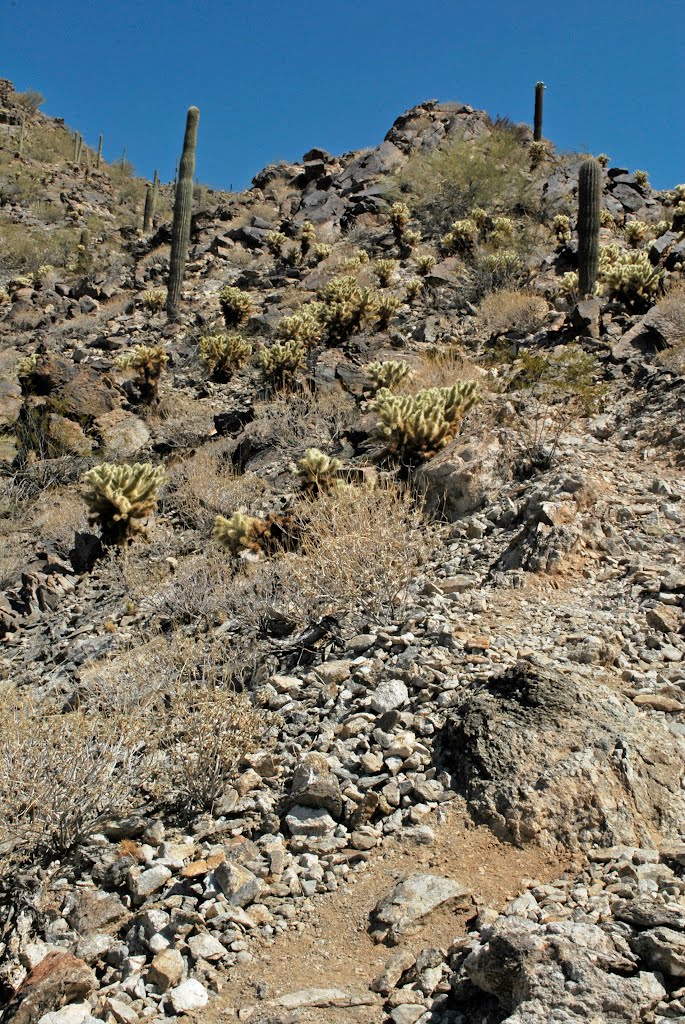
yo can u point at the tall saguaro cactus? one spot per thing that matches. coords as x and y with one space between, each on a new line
99 156
539 100
149 207
589 202
183 203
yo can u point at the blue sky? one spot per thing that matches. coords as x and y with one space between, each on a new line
272 79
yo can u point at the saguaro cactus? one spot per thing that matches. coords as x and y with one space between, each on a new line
589 201
539 100
99 156
183 204
149 207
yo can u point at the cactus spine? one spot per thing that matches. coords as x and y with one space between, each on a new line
183 204
539 100
589 202
149 207
99 156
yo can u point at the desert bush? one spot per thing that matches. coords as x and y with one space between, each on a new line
294 420
358 549
281 361
388 374
202 485
148 361
62 775
414 427
25 249
120 498
498 270
492 172
223 354
30 100
236 306
671 309
505 310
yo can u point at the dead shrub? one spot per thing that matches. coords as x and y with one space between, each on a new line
505 310
61 775
295 421
672 309
358 550
205 485
439 368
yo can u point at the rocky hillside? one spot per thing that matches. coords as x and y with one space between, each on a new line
341 675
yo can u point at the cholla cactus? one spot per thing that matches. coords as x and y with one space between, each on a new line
388 374
4 297
628 276
236 306
642 179
321 252
568 285
479 216
362 256
661 227
148 361
411 239
307 237
462 236
223 354
636 231
384 271
386 309
120 498
413 427
281 361
249 533
562 227
425 262
318 471
346 307
538 152
679 194
606 219
603 160
26 366
305 326
399 217
503 230
413 286
502 266
275 241
154 298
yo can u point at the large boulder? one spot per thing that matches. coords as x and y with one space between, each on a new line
548 758
464 476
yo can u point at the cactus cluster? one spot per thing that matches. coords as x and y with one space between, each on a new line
413 427
236 306
636 231
347 307
280 362
223 354
425 262
120 498
406 238
641 179
503 229
318 471
628 276
321 252
606 219
388 374
502 266
148 361
154 298
307 237
384 271
241 533
462 237
413 287
305 326
562 227
276 241
386 307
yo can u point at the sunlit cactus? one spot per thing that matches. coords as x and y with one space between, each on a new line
388 374
236 306
223 354
307 237
319 472
562 227
240 533
148 361
347 307
425 262
120 498
386 308
321 252
462 236
589 203
305 326
636 231
275 241
413 287
183 205
414 427
280 362
384 271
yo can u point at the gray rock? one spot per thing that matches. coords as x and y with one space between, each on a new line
661 949
307 821
240 886
315 785
188 996
388 695
206 947
410 901
144 883
461 478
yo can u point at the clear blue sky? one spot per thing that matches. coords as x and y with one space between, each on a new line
274 78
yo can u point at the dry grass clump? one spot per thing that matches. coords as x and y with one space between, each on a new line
62 775
206 484
672 310
358 550
439 368
296 421
507 310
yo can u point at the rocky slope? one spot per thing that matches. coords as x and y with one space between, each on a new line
504 660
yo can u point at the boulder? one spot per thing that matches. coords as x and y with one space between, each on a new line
549 758
461 478
315 785
122 434
401 912
59 979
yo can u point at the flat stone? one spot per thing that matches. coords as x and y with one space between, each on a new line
410 901
206 947
308 821
144 883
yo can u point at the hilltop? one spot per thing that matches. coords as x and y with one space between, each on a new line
344 610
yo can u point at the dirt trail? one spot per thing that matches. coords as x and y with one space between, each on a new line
330 946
